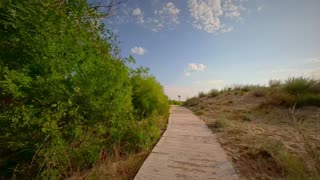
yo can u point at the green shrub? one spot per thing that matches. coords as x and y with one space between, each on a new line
202 94
64 94
191 102
219 124
302 85
259 93
148 95
308 99
245 88
175 102
280 97
213 93
275 83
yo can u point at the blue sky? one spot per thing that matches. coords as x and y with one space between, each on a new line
197 45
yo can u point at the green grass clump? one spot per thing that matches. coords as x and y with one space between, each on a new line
175 102
213 93
202 94
219 124
301 91
275 83
191 102
308 100
302 85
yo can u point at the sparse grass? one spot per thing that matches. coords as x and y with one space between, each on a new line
262 157
219 124
260 135
124 167
280 97
198 112
245 88
259 92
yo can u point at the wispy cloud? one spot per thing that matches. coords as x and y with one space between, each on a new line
167 16
231 10
138 15
212 16
259 8
138 50
314 60
208 14
137 12
193 67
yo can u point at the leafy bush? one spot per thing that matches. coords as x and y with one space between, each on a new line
175 102
64 94
148 95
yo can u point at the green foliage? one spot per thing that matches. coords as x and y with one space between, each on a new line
300 91
308 99
175 102
302 85
148 95
64 94
191 102
275 83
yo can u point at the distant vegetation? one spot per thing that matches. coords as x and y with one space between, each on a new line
175 102
67 100
270 132
301 91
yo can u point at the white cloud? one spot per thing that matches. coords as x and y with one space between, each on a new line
231 10
197 67
138 50
208 14
137 12
166 16
192 67
259 8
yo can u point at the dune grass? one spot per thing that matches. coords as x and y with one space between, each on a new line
268 131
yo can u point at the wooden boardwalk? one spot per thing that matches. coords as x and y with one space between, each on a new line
187 150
